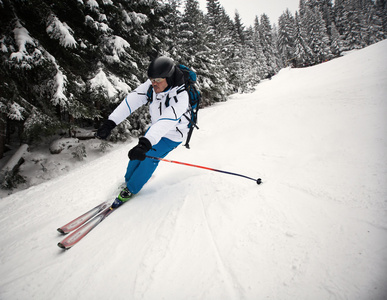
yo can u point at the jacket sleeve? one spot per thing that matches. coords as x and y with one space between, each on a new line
169 118
132 101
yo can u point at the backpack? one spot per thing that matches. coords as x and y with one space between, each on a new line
194 96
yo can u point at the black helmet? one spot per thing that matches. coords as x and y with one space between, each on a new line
161 67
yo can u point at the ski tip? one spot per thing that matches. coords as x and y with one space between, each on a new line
61 231
60 245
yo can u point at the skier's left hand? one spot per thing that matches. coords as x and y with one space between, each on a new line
138 152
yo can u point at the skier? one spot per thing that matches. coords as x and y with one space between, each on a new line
169 102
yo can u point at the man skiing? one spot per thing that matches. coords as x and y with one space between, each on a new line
169 102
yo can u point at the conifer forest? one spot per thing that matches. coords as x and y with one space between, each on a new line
66 64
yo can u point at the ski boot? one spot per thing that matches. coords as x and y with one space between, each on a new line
124 196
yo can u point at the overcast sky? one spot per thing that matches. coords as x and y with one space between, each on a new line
248 9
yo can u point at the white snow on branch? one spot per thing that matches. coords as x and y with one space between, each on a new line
135 18
110 84
102 18
103 27
60 31
15 112
24 56
120 44
116 45
107 2
92 4
22 37
119 84
101 80
138 18
60 85
97 25
3 47
126 17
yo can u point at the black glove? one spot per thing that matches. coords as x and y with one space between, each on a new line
104 131
138 152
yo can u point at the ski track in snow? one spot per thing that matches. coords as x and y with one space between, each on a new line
314 229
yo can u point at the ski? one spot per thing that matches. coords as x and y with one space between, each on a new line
81 232
82 219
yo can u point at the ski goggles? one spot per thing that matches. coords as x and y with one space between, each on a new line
157 80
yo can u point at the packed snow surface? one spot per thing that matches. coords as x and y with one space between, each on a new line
316 228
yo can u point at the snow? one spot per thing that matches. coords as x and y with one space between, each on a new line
117 46
3 47
111 83
97 25
60 31
316 228
22 56
101 80
134 17
59 84
15 112
92 4
138 18
59 145
15 158
22 37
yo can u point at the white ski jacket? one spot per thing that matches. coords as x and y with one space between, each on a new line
166 120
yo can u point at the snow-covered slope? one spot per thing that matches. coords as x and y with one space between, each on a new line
315 229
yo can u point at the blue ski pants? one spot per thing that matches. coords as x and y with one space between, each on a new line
139 172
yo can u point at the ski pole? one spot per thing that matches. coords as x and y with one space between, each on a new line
258 181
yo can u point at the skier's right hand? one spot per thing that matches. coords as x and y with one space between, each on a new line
104 131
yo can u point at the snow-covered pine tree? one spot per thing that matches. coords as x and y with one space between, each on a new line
286 37
219 27
301 8
381 10
302 52
245 59
192 35
268 46
33 81
336 41
349 23
194 52
259 62
238 64
318 39
326 9
253 58
214 12
372 22
172 19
